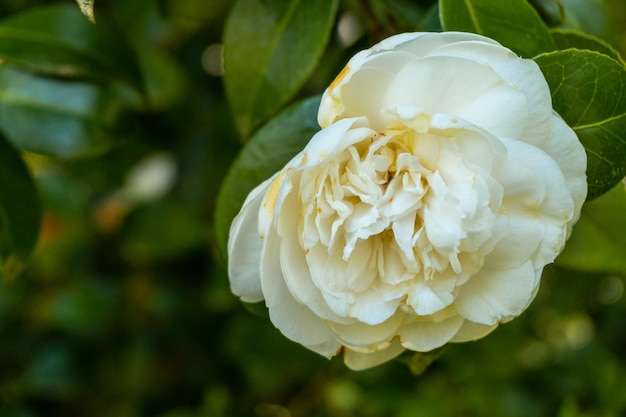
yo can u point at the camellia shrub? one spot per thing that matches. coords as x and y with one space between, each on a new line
226 208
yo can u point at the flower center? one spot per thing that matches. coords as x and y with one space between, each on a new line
404 206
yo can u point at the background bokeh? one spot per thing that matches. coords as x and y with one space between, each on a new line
125 310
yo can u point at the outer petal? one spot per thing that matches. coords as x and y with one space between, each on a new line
459 86
424 335
244 248
494 295
525 75
565 148
359 361
360 336
472 331
296 321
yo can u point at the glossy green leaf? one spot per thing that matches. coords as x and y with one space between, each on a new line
20 212
86 7
568 39
598 241
513 23
589 92
270 49
56 117
265 154
58 40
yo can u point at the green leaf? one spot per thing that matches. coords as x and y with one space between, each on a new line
265 154
56 117
551 11
589 92
568 39
513 23
270 49
588 16
86 7
599 238
20 212
58 40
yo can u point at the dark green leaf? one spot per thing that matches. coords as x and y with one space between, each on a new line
431 21
589 92
58 40
513 23
56 117
551 11
568 39
266 153
270 48
599 238
20 211
408 12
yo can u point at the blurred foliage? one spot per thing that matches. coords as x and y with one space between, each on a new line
124 309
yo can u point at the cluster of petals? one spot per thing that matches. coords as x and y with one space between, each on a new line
424 210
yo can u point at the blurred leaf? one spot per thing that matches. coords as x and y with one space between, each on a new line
161 230
551 11
588 91
266 153
83 308
20 212
568 39
164 79
270 48
56 117
86 6
193 12
513 23
58 40
408 12
431 21
586 15
598 241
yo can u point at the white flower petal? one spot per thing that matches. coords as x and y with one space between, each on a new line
244 248
294 266
425 335
522 233
431 297
361 336
521 73
295 320
330 141
470 331
569 154
358 361
459 86
491 296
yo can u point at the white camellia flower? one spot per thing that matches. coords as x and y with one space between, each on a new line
423 212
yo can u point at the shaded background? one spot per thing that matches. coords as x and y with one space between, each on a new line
125 309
